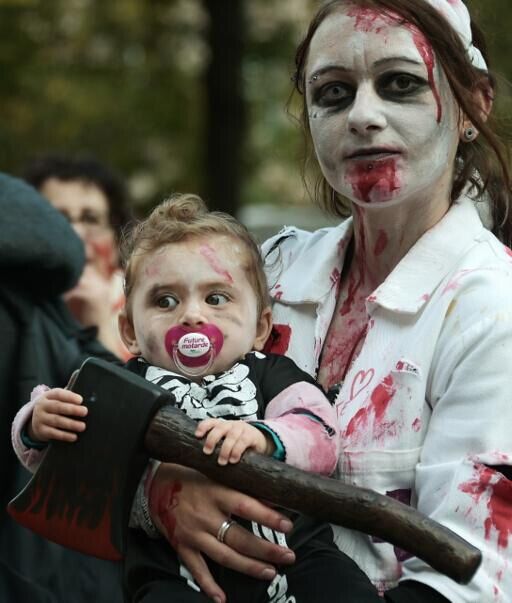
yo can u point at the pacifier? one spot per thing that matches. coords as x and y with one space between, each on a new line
194 350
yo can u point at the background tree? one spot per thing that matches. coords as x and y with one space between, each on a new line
177 95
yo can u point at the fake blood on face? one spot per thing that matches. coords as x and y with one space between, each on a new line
374 181
427 54
370 19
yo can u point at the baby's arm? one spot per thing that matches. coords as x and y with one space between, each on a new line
238 436
30 445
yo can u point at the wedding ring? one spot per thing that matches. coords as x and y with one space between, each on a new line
224 527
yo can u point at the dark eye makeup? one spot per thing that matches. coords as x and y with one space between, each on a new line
395 86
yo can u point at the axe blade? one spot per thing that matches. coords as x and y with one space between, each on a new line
81 494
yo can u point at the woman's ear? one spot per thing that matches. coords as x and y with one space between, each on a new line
483 99
127 333
263 329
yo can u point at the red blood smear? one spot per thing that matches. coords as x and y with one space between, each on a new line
367 19
279 340
379 402
427 54
105 251
499 503
380 243
379 176
500 512
165 500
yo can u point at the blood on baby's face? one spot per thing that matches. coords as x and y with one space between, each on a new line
382 117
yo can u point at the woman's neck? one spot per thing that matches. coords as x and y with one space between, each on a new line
383 235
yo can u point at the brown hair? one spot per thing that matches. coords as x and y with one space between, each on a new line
484 162
183 217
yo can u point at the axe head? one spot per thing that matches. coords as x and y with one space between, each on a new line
81 495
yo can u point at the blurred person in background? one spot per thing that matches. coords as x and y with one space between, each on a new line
95 202
40 259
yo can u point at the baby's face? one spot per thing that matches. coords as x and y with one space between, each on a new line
190 284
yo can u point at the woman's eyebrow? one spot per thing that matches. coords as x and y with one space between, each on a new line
398 59
326 68
337 67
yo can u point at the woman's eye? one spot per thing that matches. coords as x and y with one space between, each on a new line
402 84
217 299
167 301
333 94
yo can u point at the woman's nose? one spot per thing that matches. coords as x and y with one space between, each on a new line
366 116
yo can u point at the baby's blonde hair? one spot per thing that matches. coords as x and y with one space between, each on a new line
185 216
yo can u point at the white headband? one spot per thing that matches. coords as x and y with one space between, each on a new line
457 15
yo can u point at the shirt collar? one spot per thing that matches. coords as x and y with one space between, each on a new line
312 274
411 284
316 269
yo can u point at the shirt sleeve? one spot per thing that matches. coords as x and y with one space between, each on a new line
29 457
300 415
463 477
140 516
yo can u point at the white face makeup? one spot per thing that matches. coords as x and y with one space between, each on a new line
192 283
383 120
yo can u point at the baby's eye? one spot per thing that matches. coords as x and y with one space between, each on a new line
217 299
167 301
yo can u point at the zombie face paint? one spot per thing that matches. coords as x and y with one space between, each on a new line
386 126
194 286
87 208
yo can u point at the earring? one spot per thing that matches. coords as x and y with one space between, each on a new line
469 134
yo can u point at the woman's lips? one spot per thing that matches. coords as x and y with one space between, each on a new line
374 154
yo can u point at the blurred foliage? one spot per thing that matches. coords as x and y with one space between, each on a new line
123 79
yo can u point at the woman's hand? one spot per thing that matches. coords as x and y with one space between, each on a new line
55 416
188 509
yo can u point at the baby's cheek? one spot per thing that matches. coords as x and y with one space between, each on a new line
152 344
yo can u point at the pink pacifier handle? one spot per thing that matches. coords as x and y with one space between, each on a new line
194 350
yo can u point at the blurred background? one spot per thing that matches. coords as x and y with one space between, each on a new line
176 95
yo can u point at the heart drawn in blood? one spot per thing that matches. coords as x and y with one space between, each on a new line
361 381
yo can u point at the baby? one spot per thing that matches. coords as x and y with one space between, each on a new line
196 320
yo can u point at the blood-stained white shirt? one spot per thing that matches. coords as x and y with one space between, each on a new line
425 411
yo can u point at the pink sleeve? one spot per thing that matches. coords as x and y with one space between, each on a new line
306 423
30 458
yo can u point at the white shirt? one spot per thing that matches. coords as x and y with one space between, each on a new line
425 411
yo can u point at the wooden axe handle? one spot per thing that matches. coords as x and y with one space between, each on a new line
170 438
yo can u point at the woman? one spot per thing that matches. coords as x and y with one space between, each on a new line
94 200
406 309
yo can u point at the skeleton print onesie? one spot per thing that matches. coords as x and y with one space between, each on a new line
273 394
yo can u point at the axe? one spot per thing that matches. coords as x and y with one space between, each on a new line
81 495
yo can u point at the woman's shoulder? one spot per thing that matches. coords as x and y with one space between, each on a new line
479 288
292 245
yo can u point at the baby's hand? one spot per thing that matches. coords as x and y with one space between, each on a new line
52 417
238 437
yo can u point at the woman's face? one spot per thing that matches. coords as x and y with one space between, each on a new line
87 208
382 117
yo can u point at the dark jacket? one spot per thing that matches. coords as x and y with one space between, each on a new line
40 259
